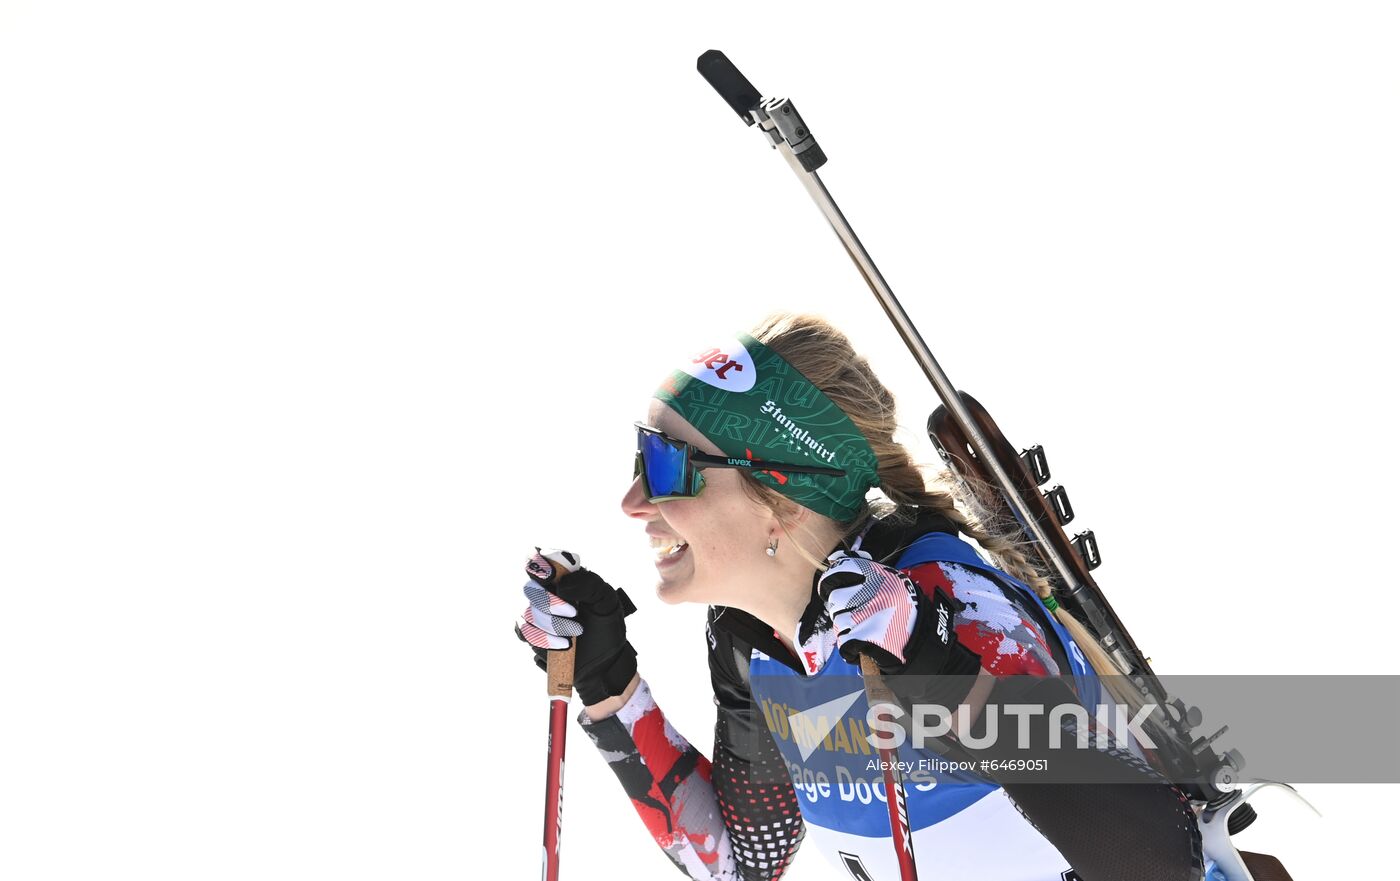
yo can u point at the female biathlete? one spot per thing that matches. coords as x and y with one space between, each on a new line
753 466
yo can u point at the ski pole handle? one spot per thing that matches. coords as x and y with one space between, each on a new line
876 691
732 85
547 569
559 674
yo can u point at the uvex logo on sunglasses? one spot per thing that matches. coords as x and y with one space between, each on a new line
730 368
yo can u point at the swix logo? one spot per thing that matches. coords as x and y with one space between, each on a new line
729 368
942 623
907 840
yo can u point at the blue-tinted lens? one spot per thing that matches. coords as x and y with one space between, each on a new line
664 464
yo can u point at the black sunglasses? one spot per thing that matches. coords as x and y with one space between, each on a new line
670 468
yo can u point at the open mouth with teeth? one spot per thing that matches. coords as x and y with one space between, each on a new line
668 550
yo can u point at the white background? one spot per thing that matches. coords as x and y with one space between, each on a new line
318 316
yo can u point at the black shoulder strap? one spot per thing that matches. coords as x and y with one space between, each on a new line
729 654
887 537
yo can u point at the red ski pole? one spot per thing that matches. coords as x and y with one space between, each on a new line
559 683
876 692
561 687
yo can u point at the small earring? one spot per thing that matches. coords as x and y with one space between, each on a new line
773 548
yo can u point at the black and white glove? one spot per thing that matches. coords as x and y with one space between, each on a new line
879 611
873 607
578 605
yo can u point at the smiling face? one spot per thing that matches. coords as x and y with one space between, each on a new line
724 560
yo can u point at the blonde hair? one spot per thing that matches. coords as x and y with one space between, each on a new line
824 355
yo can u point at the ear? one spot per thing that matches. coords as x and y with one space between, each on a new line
814 533
791 515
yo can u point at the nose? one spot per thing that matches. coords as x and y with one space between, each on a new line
634 502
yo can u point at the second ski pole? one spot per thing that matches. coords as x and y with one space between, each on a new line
876 693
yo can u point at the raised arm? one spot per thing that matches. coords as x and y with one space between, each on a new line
737 818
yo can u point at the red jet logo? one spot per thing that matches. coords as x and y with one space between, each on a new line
711 357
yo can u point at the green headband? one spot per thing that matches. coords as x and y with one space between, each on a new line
752 404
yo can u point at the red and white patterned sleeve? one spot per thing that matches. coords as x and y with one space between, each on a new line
1008 639
736 819
669 783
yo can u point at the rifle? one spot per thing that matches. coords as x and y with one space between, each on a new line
977 452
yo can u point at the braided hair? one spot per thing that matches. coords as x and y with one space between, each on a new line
823 354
